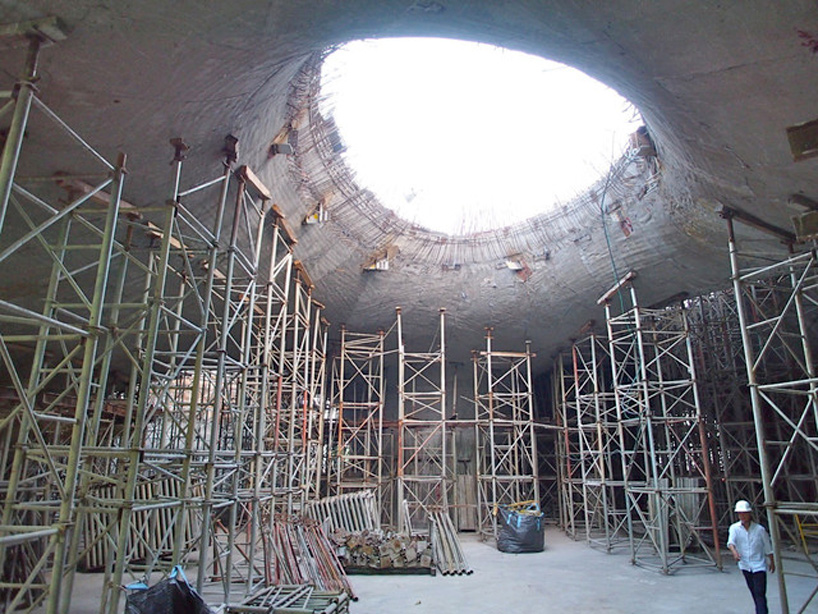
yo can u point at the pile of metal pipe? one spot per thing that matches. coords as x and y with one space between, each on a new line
293 599
353 512
446 546
302 554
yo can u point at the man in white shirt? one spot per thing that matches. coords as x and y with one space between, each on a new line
750 544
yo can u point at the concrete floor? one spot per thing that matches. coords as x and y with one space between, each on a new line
568 577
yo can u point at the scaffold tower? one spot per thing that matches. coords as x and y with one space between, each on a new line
422 440
777 300
149 387
603 492
726 407
571 503
665 461
504 432
359 390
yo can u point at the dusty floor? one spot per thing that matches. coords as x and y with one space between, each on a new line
568 577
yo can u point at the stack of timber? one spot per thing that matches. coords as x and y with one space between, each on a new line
300 599
302 554
448 553
353 511
375 552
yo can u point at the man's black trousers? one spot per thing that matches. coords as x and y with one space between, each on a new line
757 583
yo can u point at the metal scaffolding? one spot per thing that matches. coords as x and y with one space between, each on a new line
422 439
316 406
777 299
164 401
195 397
665 461
359 391
53 347
548 438
727 410
603 494
504 432
571 502
300 398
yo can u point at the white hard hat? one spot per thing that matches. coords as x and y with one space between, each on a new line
743 506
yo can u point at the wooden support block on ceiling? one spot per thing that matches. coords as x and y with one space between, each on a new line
77 187
281 220
249 177
302 271
629 276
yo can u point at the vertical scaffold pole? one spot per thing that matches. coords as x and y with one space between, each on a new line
134 441
757 403
67 512
403 520
19 120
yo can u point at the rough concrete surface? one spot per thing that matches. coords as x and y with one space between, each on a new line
567 577
717 84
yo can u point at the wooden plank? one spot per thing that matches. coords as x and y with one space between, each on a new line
248 176
630 276
77 187
48 29
299 266
281 221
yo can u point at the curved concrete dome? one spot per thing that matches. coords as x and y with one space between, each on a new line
717 84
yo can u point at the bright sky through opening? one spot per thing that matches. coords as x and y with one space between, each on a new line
461 137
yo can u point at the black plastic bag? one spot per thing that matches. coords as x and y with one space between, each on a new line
173 595
521 529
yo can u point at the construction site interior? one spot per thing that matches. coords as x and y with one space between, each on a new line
228 370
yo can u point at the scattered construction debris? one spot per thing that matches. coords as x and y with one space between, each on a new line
378 552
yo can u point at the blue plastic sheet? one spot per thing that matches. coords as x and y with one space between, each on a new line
173 595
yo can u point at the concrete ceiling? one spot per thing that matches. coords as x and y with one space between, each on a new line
718 83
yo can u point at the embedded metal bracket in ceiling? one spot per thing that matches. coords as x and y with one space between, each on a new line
284 149
317 215
379 261
803 140
803 201
805 224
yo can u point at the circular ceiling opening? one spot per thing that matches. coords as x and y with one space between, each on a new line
462 137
